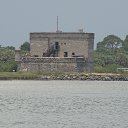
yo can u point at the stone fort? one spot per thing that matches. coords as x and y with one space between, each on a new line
58 51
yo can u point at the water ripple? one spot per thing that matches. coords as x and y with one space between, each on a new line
40 108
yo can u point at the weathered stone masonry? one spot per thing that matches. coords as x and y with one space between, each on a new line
59 51
52 64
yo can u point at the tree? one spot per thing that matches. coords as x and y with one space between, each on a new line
7 59
25 46
110 42
125 43
10 47
111 53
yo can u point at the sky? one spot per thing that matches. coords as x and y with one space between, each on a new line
20 17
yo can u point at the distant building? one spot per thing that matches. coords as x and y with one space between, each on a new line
59 51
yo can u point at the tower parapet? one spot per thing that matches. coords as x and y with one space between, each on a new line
17 55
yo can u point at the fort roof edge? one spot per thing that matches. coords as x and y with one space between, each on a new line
61 33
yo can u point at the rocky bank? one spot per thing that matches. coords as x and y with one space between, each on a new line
89 77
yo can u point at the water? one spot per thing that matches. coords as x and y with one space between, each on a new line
63 104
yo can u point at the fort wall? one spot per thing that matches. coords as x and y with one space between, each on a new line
77 35
53 64
76 43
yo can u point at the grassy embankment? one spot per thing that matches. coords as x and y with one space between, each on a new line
29 75
17 75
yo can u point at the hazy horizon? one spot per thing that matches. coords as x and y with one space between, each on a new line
19 18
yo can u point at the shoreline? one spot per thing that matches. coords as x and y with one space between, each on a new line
72 76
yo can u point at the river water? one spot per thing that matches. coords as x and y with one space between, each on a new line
63 104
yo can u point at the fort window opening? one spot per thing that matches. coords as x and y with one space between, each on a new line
36 56
73 54
65 54
43 54
56 45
